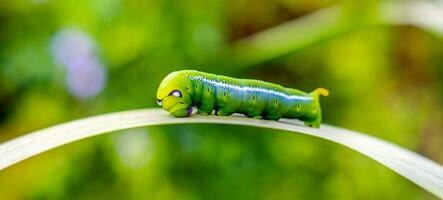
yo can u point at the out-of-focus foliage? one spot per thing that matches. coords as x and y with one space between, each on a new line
63 60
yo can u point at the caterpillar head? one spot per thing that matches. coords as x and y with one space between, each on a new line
173 95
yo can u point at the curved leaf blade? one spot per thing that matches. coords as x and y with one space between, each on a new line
416 168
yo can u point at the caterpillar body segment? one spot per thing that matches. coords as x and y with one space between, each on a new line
181 90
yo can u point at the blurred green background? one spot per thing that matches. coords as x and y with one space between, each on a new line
65 60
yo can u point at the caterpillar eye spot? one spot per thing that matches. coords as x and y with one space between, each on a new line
186 88
176 93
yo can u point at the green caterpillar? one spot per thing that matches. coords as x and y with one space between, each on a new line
181 90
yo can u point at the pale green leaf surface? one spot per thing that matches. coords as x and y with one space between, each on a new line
418 169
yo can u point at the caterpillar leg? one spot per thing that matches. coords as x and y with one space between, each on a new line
268 116
314 123
205 108
254 115
203 111
271 117
224 111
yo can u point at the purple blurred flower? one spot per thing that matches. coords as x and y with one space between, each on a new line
76 51
86 79
70 46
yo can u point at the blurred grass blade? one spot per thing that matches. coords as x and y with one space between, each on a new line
287 37
326 24
414 167
427 15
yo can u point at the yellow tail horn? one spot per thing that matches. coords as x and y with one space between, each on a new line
321 91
